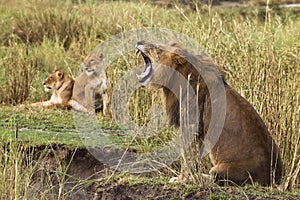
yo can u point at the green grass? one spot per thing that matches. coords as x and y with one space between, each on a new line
257 48
38 127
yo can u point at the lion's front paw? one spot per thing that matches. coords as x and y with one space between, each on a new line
179 179
173 180
107 113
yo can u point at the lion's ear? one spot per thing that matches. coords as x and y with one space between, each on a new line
180 60
178 57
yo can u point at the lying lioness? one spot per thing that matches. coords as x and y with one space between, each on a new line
62 86
90 88
245 151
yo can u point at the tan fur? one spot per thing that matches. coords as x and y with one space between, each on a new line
90 88
61 85
245 152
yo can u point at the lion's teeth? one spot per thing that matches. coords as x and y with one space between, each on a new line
138 53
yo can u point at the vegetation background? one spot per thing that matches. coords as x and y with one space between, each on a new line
257 43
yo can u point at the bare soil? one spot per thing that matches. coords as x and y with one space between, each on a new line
87 178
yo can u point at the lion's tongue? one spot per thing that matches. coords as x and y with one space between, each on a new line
145 76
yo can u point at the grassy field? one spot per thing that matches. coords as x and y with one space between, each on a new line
259 50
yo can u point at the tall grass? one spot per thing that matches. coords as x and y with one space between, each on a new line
35 172
19 165
259 50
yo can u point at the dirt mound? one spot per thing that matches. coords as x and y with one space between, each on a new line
147 191
75 174
63 173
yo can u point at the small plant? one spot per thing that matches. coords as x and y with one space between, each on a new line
218 197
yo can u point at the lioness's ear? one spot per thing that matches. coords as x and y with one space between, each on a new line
99 55
60 74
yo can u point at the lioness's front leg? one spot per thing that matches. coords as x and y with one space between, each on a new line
106 103
77 106
44 104
90 98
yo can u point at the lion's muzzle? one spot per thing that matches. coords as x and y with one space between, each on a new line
145 77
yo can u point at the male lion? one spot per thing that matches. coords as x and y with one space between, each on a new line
245 151
62 85
90 88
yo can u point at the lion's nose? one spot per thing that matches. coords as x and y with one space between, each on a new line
140 46
142 42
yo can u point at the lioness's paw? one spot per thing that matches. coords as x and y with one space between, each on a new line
23 106
91 112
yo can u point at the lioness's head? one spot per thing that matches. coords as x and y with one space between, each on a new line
93 63
161 61
54 80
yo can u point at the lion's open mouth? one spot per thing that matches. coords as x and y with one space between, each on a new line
145 76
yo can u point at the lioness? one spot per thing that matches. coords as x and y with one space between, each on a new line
245 151
90 88
62 86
